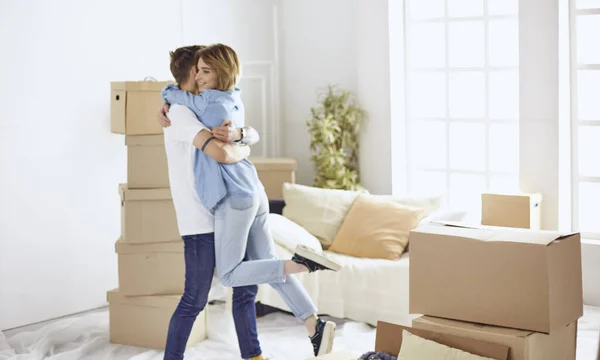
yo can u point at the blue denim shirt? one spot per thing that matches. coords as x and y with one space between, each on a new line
214 181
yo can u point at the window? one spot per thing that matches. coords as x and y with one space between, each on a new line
585 116
462 98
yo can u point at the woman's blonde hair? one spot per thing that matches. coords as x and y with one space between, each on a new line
224 61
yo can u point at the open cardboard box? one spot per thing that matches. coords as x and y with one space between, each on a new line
388 339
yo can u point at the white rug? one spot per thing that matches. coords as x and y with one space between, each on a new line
85 337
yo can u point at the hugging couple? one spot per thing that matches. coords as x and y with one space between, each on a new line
221 206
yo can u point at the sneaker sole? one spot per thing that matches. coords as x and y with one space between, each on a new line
328 336
320 259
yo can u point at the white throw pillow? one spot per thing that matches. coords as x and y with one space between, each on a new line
289 234
416 348
320 211
445 215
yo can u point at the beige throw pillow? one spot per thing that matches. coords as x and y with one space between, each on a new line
415 347
320 211
376 227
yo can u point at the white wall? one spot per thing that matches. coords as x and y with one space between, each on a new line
60 165
318 47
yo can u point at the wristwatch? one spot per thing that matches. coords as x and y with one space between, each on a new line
242 133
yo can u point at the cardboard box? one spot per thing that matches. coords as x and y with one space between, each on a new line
133 107
147 215
146 162
524 345
151 269
516 278
388 339
144 321
274 172
516 210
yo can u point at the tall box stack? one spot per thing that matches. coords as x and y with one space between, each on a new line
150 250
517 287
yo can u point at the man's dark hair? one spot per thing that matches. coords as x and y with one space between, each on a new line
182 60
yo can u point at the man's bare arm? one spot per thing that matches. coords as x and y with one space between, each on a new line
220 151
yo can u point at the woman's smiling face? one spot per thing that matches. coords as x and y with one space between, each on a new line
206 77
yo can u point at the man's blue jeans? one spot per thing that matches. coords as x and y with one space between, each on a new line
199 268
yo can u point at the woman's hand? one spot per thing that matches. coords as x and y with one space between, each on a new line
162 116
226 133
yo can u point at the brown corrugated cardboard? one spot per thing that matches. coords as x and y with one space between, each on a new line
151 269
511 210
388 339
274 172
146 162
516 278
133 107
524 345
147 215
144 320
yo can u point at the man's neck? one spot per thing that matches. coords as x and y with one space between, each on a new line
189 86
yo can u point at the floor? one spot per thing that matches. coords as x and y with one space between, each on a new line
85 336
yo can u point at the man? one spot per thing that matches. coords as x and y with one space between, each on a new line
183 138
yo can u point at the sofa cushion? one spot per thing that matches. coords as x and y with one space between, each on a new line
288 234
319 211
416 347
376 227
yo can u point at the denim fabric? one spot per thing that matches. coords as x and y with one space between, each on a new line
199 269
242 233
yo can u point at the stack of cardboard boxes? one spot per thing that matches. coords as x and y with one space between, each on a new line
516 287
150 250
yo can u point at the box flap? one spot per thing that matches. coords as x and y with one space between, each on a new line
469 326
144 194
274 164
145 140
123 247
388 339
139 85
533 198
160 301
492 233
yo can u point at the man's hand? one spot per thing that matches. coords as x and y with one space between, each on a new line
162 116
226 132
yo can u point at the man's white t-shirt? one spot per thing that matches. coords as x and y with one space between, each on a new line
192 217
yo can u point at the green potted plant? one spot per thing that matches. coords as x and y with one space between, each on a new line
334 127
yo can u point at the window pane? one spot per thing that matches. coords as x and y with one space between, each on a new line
427 45
508 184
427 182
427 95
466 44
467 95
588 46
589 207
428 144
588 4
503 42
589 151
504 147
588 88
465 192
503 7
467 146
426 9
504 94
465 8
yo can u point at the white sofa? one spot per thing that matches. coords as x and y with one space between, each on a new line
366 290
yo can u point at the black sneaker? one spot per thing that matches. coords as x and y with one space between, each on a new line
313 260
322 340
